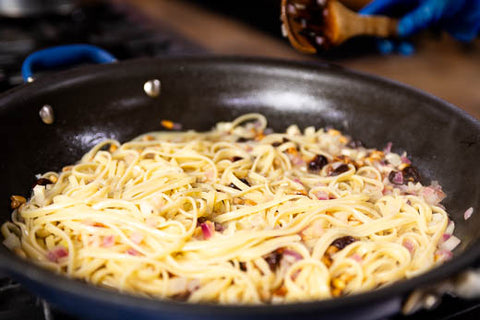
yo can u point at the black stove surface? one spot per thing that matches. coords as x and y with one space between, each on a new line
117 29
125 35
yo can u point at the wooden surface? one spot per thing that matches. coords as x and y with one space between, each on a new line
442 66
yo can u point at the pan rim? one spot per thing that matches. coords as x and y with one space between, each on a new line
74 287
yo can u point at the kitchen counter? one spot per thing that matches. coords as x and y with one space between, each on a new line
440 66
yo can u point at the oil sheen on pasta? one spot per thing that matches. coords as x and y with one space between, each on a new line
238 214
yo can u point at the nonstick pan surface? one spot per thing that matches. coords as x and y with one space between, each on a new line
108 101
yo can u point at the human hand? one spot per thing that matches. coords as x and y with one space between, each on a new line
460 18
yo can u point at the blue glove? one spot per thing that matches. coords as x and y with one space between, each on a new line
461 18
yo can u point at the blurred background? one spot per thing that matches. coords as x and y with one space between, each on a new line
440 65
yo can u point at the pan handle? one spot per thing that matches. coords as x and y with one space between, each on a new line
63 56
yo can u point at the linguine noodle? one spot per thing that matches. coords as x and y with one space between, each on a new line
238 214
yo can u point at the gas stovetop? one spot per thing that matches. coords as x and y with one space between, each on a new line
119 30
126 35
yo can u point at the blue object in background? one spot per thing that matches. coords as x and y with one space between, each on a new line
63 56
460 18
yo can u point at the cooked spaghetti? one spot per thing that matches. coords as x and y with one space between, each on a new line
238 214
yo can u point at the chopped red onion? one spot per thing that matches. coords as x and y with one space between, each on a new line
297 180
409 245
445 253
450 227
432 194
296 160
446 236
356 257
405 160
136 237
468 213
388 147
108 241
207 230
133 252
393 159
209 174
292 253
386 191
450 244
56 253
321 195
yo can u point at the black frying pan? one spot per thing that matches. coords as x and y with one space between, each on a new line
108 101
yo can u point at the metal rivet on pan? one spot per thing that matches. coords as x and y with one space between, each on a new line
46 114
152 88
